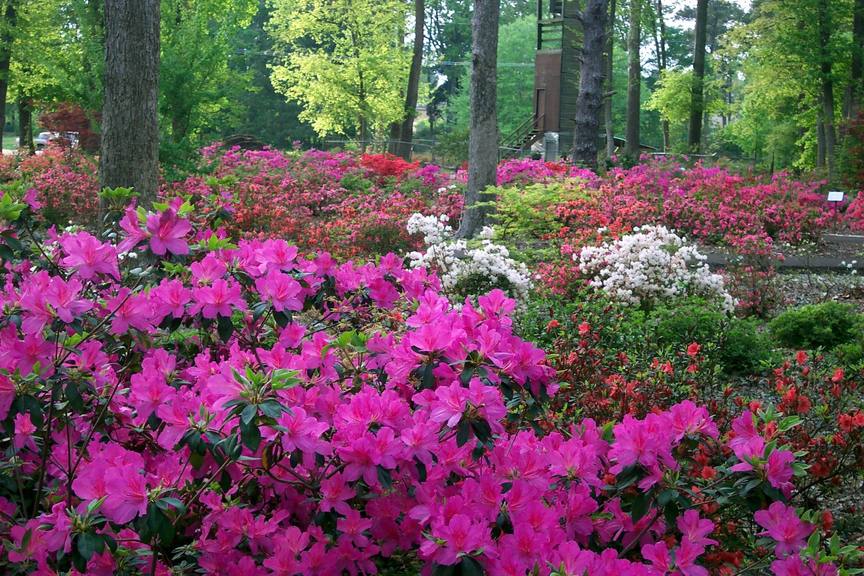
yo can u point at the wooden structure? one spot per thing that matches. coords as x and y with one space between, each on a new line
556 78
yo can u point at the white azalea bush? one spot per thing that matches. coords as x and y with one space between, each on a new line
467 270
651 265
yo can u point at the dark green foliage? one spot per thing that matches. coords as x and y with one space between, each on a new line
817 326
746 349
479 284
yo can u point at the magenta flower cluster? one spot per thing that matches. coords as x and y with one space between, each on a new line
176 400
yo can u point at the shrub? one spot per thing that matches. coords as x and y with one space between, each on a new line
688 320
651 266
746 349
223 409
816 326
467 271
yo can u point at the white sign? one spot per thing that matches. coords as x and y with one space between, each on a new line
835 196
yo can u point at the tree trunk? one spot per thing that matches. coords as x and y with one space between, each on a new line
6 38
634 79
130 131
25 125
483 137
660 48
590 100
406 132
827 87
856 72
820 142
697 97
610 81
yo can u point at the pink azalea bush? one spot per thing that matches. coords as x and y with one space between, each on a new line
318 200
175 402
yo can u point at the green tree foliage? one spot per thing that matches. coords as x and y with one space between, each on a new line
46 55
780 55
263 113
197 84
343 60
515 77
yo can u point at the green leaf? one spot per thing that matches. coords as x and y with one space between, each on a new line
470 567
384 477
248 414
168 502
251 436
272 409
225 328
640 506
463 433
89 544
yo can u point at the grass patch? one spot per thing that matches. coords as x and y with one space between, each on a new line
9 142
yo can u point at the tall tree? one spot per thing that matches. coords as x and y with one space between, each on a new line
130 125
856 73
483 135
827 83
406 129
589 103
697 94
610 81
196 82
7 27
634 79
662 60
340 60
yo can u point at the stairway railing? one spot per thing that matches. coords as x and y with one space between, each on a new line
524 135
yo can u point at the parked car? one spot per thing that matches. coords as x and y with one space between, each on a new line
45 138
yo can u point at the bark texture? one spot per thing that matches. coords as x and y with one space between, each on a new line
856 72
483 137
130 131
634 79
827 88
697 99
589 103
610 70
6 39
25 126
406 130
660 47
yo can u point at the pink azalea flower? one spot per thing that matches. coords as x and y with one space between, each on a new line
746 442
219 299
281 290
335 493
695 529
658 555
88 256
779 471
170 298
782 524
24 431
460 536
685 559
449 404
126 492
208 269
795 566
302 432
353 526
167 233
687 419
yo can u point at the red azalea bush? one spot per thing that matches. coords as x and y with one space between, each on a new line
65 183
321 200
707 203
174 402
613 363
